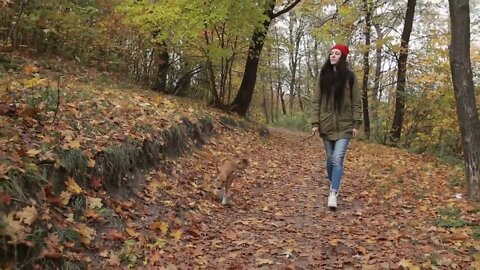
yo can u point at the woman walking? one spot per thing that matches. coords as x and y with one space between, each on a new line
337 114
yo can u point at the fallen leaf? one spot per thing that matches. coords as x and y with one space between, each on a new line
114 260
115 235
5 198
73 187
15 229
176 234
171 267
86 233
231 235
65 196
334 242
33 152
94 203
70 217
90 213
459 236
103 254
132 232
408 264
30 68
96 182
91 163
160 244
75 144
28 215
162 226
261 262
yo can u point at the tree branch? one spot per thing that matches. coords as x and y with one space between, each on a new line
285 10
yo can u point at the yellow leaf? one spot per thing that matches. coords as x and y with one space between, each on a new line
28 215
162 226
160 244
73 187
153 186
94 203
132 232
408 264
65 196
86 233
334 242
91 163
176 234
15 229
33 152
75 144
261 262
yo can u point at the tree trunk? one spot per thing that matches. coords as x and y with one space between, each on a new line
277 104
366 69
264 105
282 100
464 93
299 89
401 74
272 99
295 36
163 63
241 103
215 98
376 83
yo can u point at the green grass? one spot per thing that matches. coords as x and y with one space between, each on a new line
75 163
456 181
297 121
450 217
69 235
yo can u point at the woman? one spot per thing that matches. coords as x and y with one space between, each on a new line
337 114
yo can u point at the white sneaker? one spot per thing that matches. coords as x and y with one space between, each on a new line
224 200
332 199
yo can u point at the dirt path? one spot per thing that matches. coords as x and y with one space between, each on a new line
279 218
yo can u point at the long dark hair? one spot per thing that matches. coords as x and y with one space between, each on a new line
332 82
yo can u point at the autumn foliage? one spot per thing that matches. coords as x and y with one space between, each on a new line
114 120
397 210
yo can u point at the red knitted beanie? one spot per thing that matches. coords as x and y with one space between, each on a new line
344 49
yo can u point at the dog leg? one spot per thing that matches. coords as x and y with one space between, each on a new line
226 194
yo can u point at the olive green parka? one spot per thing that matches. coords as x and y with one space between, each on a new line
337 125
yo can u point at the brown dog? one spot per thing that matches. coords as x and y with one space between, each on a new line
227 171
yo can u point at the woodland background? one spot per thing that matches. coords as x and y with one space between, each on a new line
99 99
199 49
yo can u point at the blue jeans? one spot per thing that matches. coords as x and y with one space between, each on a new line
335 151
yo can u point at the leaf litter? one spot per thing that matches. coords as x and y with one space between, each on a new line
396 210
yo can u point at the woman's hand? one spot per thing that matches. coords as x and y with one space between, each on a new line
314 130
354 132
